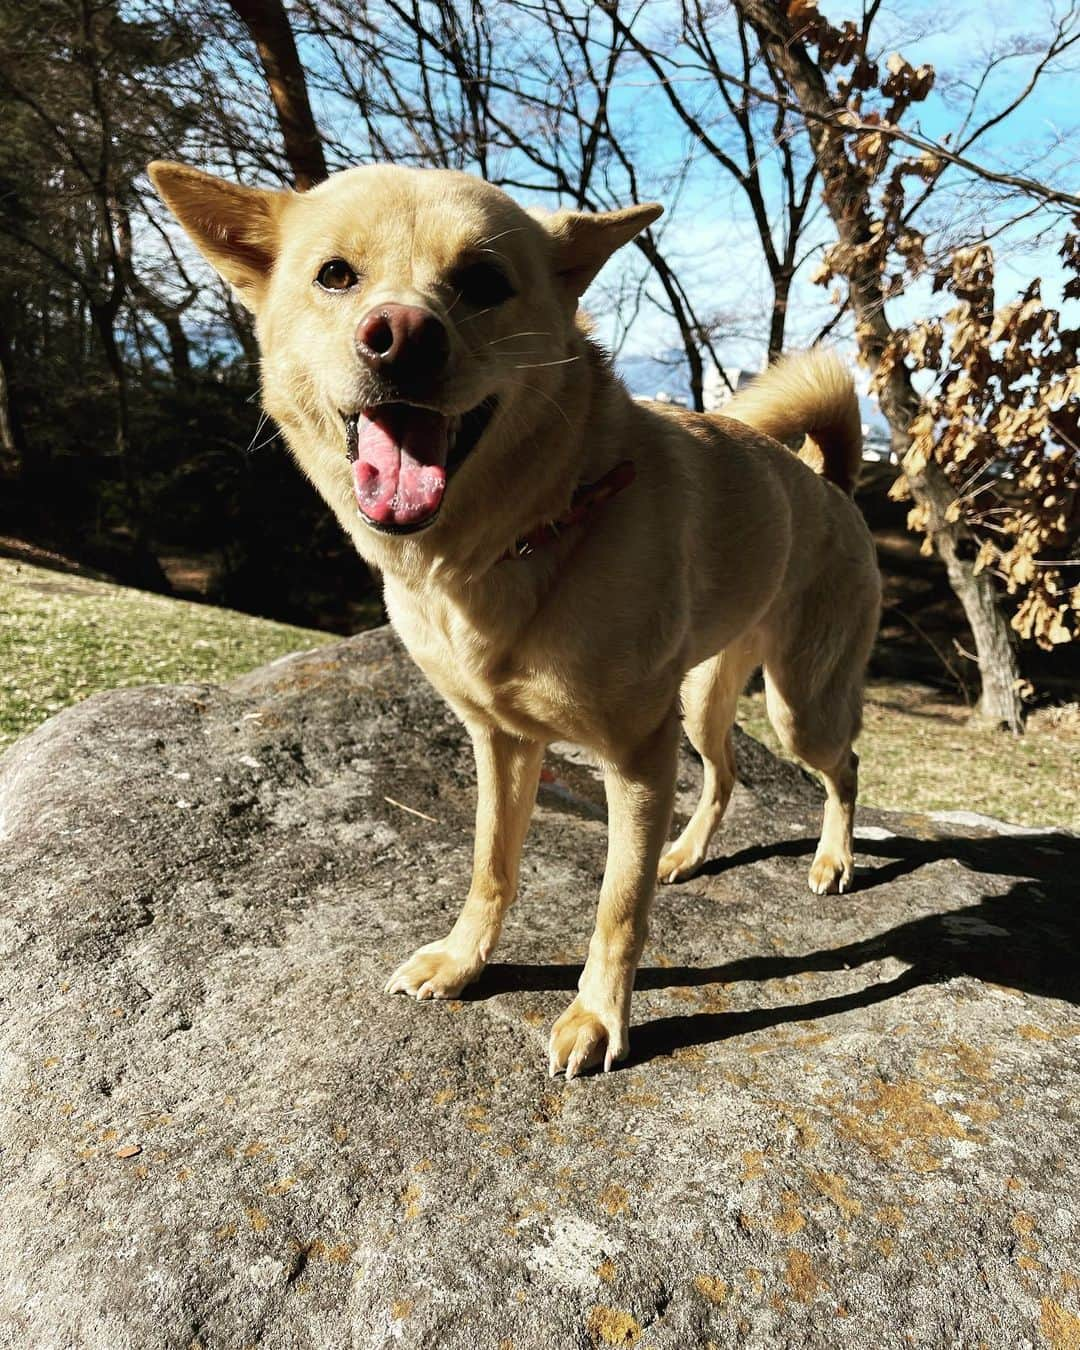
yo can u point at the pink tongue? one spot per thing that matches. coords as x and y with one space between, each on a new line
399 473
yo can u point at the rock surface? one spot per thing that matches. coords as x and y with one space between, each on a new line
848 1120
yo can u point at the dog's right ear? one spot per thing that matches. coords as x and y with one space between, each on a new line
235 228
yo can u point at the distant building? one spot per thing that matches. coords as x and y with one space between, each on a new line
663 379
876 445
715 392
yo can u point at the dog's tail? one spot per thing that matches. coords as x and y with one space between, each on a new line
808 394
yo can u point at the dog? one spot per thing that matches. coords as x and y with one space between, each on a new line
562 561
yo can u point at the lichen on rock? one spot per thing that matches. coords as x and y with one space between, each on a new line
845 1119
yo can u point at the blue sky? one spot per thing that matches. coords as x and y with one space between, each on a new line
708 231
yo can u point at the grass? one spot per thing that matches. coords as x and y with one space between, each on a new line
918 752
63 637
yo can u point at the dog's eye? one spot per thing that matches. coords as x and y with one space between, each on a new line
483 284
336 275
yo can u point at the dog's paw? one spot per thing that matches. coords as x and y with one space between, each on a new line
678 863
434 971
583 1039
830 874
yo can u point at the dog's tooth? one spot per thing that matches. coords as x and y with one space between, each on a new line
352 436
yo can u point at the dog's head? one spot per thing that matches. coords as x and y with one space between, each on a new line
403 316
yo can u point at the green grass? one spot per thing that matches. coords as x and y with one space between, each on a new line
63 637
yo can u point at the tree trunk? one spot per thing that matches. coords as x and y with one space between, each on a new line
268 24
103 321
845 198
179 345
995 647
778 319
243 330
168 315
11 452
684 321
147 570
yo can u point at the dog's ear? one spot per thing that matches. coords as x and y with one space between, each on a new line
584 241
235 228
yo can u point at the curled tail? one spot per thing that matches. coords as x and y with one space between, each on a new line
808 394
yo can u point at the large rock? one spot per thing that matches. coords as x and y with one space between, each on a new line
846 1121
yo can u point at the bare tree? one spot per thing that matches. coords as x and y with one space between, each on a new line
79 125
852 150
756 141
11 451
521 95
268 24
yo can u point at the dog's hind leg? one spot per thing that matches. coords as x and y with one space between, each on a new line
710 696
831 869
816 712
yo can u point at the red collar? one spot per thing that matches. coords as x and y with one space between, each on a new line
585 499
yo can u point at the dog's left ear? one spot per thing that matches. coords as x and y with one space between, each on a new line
584 242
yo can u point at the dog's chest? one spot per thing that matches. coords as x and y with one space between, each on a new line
503 682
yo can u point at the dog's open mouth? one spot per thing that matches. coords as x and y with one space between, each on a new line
401 457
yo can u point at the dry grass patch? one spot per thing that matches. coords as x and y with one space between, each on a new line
918 752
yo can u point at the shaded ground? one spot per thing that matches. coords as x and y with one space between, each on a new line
321 583
846 1120
924 635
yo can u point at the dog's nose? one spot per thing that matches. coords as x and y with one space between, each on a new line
403 341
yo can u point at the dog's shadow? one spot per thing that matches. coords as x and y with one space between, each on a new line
1026 938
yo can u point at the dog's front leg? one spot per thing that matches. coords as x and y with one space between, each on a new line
507 771
640 791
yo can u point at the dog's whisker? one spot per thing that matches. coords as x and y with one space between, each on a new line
501 360
539 365
510 337
479 314
521 384
481 350
263 419
254 449
494 238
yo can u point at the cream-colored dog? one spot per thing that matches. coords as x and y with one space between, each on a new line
563 563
